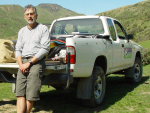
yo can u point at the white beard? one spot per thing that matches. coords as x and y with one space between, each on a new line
30 22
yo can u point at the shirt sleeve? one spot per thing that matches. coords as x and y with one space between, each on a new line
45 44
19 45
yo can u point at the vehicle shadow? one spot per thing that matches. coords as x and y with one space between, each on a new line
66 101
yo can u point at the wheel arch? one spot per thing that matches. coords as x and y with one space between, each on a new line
138 54
102 62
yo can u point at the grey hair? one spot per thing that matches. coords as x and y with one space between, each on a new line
30 6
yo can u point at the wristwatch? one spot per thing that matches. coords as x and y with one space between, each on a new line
30 62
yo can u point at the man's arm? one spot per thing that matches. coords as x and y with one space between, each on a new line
18 49
34 60
45 44
19 60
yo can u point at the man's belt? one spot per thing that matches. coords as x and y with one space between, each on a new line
32 57
27 57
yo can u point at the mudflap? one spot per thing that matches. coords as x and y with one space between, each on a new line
84 88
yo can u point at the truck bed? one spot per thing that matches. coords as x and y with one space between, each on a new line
50 66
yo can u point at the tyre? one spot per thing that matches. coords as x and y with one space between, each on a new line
98 88
135 71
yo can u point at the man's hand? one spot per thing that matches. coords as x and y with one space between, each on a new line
24 68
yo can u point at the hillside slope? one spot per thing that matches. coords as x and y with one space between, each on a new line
12 18
48 12
135 19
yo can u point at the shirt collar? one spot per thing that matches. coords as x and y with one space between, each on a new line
33 27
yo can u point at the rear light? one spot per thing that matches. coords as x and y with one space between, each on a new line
72 51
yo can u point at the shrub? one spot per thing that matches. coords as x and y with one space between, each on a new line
145 56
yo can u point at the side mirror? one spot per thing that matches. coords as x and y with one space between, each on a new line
103 36
130 36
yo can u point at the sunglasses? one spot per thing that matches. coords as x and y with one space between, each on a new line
31 14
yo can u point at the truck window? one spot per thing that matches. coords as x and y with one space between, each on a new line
69 28
120 31
91 26
111 29
57 28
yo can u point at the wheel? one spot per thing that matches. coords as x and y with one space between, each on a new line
98 88
136 72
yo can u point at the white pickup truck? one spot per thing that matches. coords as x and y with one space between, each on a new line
95 46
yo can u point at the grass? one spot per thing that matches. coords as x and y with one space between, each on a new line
145 44
120 97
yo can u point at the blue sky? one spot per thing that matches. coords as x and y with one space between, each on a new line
87 7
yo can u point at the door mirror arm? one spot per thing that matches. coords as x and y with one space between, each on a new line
130 36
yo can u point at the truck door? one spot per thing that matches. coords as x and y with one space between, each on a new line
126 46
116 57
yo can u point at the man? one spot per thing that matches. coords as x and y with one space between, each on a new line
31 47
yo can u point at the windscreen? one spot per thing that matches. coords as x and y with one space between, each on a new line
77 26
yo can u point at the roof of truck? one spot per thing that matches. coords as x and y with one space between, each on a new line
81 17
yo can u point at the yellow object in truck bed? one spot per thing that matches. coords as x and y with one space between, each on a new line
52 44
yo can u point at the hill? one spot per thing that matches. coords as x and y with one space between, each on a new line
48 12
12 19
135 19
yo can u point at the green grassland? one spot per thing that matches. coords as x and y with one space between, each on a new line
12 18
120 97
49 12
145 44
135 19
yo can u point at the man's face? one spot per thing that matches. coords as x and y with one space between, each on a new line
30 16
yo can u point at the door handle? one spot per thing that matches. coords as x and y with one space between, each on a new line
122 45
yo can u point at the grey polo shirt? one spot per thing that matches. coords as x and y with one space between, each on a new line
33 42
